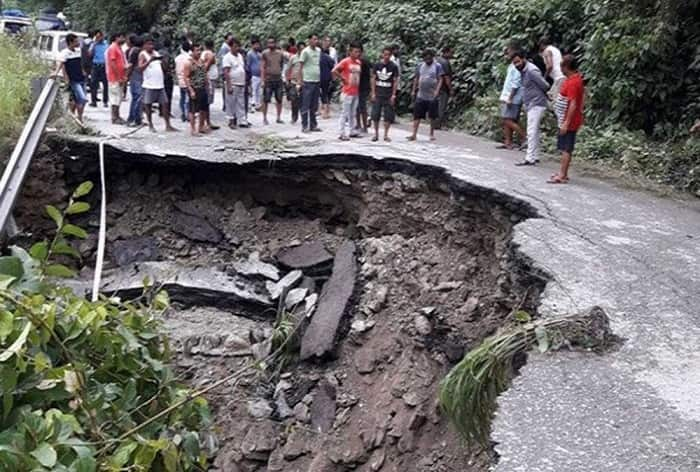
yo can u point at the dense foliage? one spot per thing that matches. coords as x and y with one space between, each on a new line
82 383
17 68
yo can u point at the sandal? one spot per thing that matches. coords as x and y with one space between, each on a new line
555 179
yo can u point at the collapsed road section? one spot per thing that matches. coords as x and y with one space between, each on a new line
388 271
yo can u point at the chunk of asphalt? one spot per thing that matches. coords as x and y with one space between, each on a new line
187 285
195 228
304 256
276 289
319 338
255 267
323 407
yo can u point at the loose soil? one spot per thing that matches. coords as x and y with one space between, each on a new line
437 274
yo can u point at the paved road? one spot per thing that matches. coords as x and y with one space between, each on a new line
637 255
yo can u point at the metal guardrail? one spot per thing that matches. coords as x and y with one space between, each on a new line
18 165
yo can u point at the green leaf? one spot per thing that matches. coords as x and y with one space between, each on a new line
62 247
77 208
40 251
41 361
59 270
6 281
12 266
123 453
83 189
55 215
76 231
84 464
522 316
162 300
17 345
6 324
45 454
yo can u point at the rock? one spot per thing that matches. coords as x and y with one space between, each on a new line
310 305
302 413
365 360
447 286
258 213
471 305
240 212
299 443
323 407
309 284
412 399
259 441
259 409
349 451
255 267
294 298
304 256
422 325
195 228
276 289
319 338
283 409
428 310
360 326
376 461
201 207
128 251
262 349
340 176
378 298
321 463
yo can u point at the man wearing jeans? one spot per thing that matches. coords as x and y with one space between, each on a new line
98 50
535 97
181 62
348 72
310 77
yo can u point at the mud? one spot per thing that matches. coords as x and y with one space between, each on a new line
436 274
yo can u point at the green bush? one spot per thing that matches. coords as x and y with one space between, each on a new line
86 386
17 67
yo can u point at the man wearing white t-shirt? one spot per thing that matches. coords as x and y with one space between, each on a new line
153 69
235 85
552 59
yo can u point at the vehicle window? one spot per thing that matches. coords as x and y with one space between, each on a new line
42 43
49 43
61 42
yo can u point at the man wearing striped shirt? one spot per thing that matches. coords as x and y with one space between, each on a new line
569 110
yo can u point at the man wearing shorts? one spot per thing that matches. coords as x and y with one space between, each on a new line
196 80
153 69
70 64
511 102
569 111
426 90
116 75
271 72
385 81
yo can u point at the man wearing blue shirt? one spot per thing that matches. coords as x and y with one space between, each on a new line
98 76
511 102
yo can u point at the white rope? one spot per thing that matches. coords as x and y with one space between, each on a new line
103 228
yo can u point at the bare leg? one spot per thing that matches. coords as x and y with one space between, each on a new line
387 125
416 124
149 117
193 123
565 162
279 111
376 130
507 133
166 117
432 129
264 112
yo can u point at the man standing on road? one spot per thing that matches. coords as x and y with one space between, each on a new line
385 81
181 61
310 77
426 90
446 91
511 102
327 64
116 75
327 47
235 85
271 70
135 82
223 50
170 74
362 117
348 72
151 65
535 98
294 83
552 60
196 80
211 66
70 64
98 50
253 59
569 111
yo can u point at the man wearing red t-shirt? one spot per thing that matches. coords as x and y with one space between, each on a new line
116 75
569 111
348 72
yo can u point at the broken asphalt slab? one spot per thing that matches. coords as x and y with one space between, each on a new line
320 335
637 255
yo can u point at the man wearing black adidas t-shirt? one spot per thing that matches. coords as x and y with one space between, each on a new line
70 64
385 79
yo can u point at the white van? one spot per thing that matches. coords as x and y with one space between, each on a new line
15 25
49 43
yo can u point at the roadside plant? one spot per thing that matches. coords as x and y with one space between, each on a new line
469 392
84 385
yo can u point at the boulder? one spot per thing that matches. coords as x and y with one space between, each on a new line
305 256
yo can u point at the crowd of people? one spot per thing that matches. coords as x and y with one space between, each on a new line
306 73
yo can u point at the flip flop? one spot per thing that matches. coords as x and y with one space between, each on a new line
555 179
505 146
